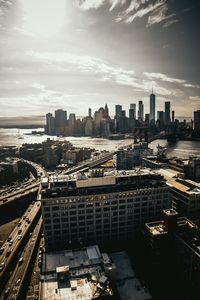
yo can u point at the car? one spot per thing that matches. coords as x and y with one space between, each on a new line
8 253
19 224
19 237
7 291
21 260
11 242
24 217
2 265
2 249
19 231
9 239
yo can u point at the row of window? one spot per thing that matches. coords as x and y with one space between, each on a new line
129 196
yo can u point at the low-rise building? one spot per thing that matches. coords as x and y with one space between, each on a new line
77 274
128 158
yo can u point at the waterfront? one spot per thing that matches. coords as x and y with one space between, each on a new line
12 136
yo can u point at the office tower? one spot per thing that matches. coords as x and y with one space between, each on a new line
90 112
89 126
106 114
173 116
72 119
118 111
152 107
197 120
60 121
133 106
50 124
167 113
160 119
98 208
72 124
147 119
118 116
131 119
140 111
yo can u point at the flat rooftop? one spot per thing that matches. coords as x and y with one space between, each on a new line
75 274
107 182
158 228
185 186
73 259
168 173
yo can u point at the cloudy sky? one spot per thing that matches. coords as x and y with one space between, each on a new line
75 54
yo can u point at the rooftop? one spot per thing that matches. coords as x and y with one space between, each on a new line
158 227
78 274
97 183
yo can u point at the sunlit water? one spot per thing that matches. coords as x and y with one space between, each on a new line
182 149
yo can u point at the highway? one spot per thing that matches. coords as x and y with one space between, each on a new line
13 287
39 169
12 244
19 192
89 163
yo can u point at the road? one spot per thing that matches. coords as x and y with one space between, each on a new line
15 283
89 163
19 192
10 247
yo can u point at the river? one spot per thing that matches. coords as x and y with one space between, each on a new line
13 136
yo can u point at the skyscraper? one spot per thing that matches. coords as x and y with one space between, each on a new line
118 111
60 121
160 119
50 124
167 113
132 116
197 120
106 115
133 106
173 116
90 112
140 111
152 107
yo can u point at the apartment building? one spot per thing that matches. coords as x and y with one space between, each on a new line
186 198
110 206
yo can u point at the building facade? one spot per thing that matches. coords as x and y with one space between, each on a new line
104 208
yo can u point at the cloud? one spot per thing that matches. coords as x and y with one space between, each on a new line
164 77
169 23
192 85
130 10
99 69
195 98
88 4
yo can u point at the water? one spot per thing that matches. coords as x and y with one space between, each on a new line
182 149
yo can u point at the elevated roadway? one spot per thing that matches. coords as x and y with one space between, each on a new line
89 163
10 247
16 282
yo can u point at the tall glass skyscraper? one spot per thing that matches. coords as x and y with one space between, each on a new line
140 111
152 107
167 113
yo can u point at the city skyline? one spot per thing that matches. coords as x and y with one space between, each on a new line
98 52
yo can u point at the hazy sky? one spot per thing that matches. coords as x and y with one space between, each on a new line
75 54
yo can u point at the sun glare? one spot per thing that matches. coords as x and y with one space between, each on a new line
43 18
